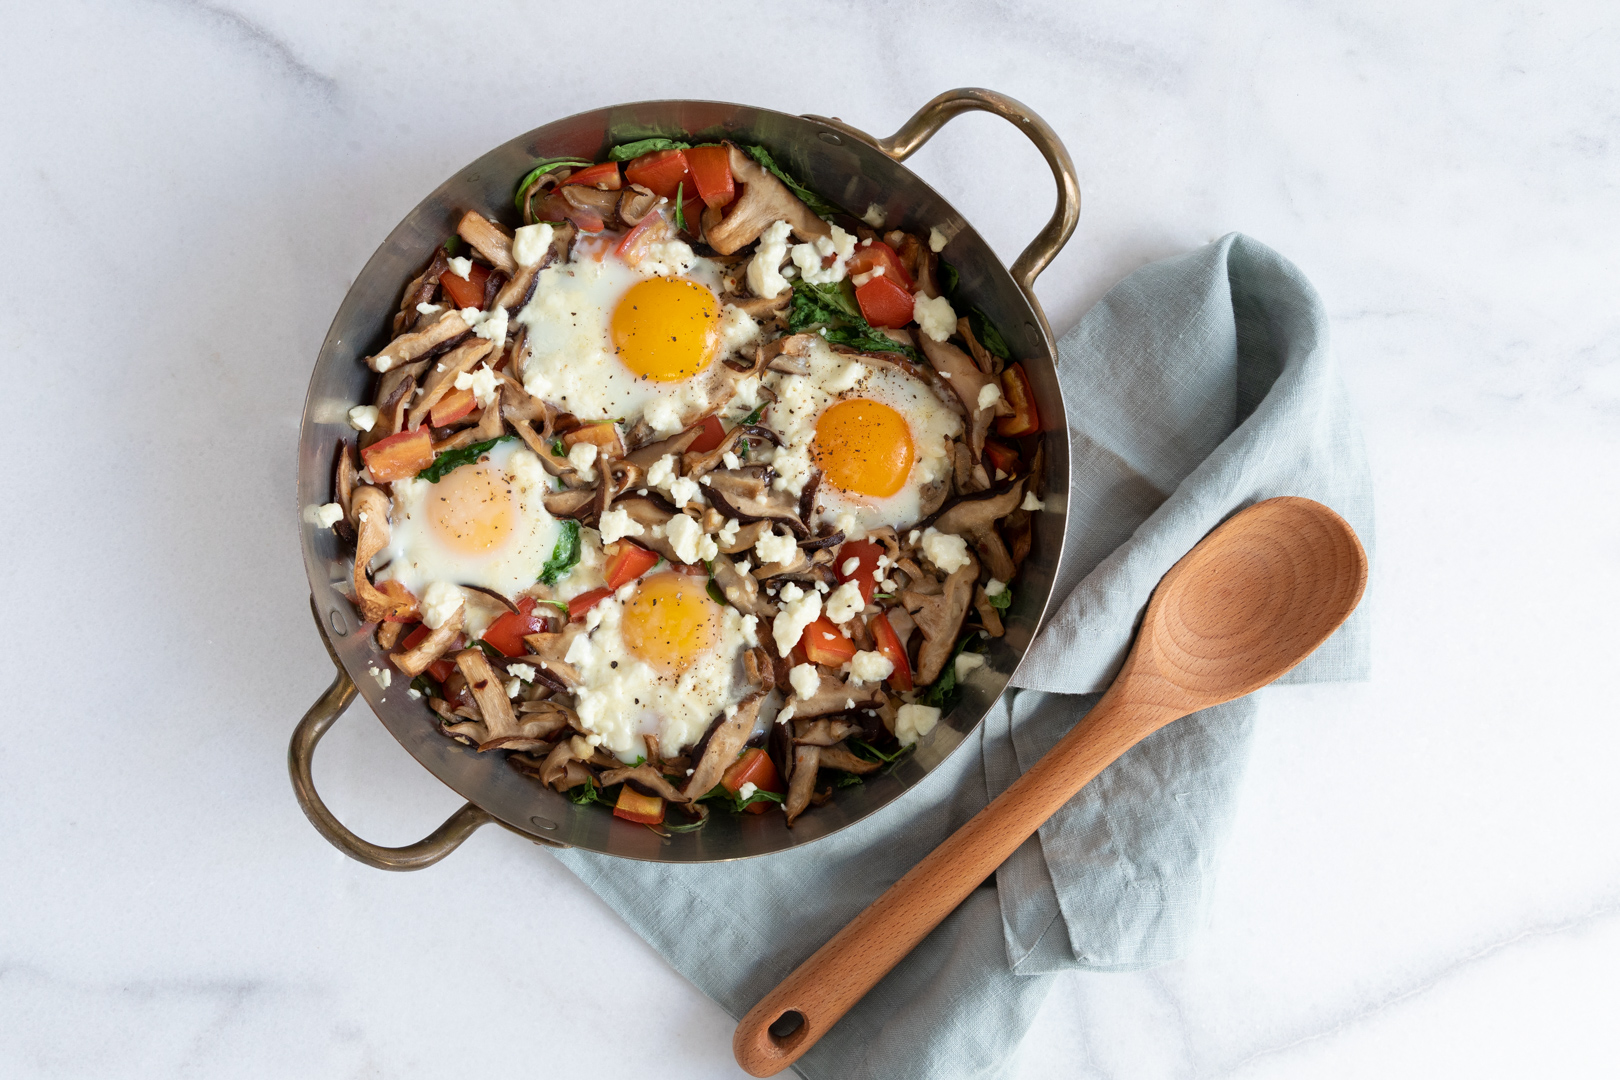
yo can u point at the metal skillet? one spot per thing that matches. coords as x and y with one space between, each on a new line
845 165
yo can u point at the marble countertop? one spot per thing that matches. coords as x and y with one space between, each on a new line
1424 875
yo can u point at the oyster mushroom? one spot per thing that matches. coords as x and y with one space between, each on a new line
371 523
762 201
802 785
408 347
489 240
966 381
646 778
441 377
940 617
724 742
840 756
975 517
431 648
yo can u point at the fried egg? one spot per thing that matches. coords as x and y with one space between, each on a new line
484 524
612 340
878 435
659 657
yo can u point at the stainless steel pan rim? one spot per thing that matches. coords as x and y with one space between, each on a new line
851 168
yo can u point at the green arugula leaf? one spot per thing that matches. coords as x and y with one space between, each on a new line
452 245
565 555
489 650
587 793
559 448
540 170
944 692
949 279
849 779
626 151
714 589
560 605
691 827
680 199
736 803
753 417
452 459
832 308
984 328
1002 600
818 206
866 750
425 686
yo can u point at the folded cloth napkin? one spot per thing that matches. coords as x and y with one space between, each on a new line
1197 386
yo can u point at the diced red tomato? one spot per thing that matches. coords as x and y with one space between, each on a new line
404 604
642 809
1001 456
876 254
452 407
579 605
626 562
398 456
884 302
711 174
754 767
1026 419
631 240
714 433
605 436
865 573
439 669
466 291
506 633
660 172
605 176
825 644
888 643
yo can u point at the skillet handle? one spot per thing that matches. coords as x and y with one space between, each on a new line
300 756
934 115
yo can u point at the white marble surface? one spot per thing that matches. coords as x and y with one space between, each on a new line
1424 878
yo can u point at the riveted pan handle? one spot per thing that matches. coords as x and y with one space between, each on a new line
934 115
300 756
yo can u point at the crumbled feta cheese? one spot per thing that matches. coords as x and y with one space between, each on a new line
664 416
772 548
384 676
936 241
425 308
861 279
851 564
806 680
729 460
325 516
764 270
363 417
581 746
728 532
530 243
461 267
1031 502
582 455
481 382
870 667
786 713
966 663
747 790
618 524
686 536
743 565
809 257
792 591
525 672
382 362
682 490
737 330
989 394
845 602
821 586
662 471
945 551
874 217
995 587
514 687
666 258
414 693
936 317
912 538
912 722
439 601
796 613
489 325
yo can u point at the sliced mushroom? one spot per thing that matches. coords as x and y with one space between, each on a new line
635 203
823 732
762 202
966 380
747 536
841 757
940 619
653 515
975 517
489 691
988 362
760 309
989 616
518 404
806 762
649 454
740 590
724 743
835 695
578 503
489 427
431 648
696 464
371 523
774 506
420 291
345 470
550 651
408 347
442 376
489 240
647 777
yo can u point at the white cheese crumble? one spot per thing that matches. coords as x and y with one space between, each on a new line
995 587
747 790
966 663
691 544
765 269
582 455
324 517
526 672
384 676
489 325
945 551
989 394
439 601
809 257
870 667
683 490
806 680
936 241
874 216
729 460
851 565
772 548
618 524
529 243
428 309
728 533
936 317
363 417
799 609
481 382
786 714
667 258
461 267
1031 502
662 471
514 687
845 602
664 416
415 694
737 330
913 722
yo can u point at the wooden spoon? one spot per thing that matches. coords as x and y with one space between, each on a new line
1253 599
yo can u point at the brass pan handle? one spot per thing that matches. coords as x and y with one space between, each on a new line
934 115
300 755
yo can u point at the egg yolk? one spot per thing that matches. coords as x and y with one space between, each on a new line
666 328
470 511
864 447
671 620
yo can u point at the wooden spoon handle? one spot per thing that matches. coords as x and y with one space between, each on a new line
839 974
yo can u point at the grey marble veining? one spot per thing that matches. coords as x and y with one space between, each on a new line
1424 876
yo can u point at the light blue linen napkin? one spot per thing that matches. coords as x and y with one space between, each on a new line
1197 386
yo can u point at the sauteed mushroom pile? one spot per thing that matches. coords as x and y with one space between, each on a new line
689 491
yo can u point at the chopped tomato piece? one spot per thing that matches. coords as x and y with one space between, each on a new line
660 172
404 604
604 435
634 806
452 407
506 633
711 174
631 242
714 433
1001 456
864 573
825 644
605 176
884 302
754 767
626 562
399 456
579 605
466 291
877 253
439 669
888 643
1026 419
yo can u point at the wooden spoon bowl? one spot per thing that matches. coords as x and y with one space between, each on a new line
1253 599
